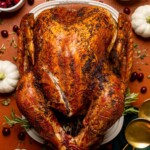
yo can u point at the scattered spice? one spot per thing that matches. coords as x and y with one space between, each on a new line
1 21
138 52
2 49
12 33
148 77
142 56
6 102
135 45
13 43
14 58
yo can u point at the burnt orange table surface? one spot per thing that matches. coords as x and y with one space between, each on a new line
9 20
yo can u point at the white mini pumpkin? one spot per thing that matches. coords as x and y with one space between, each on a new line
141 21
9 76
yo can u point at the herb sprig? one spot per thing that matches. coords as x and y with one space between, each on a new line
17 120
129 99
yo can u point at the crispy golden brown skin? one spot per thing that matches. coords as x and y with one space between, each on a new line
73 63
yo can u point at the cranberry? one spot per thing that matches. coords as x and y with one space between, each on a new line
15 28
126 10
140 77
4 33
9 3
30 2
3 4
6 131
21 136
134 76
16 1
143 89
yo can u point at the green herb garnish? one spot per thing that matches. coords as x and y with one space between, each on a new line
6 102
2 48
13 43
138 52
142 56
14 58
1 21
17 120
129 99
135 45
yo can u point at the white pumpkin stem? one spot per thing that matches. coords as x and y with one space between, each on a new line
148 19
2 76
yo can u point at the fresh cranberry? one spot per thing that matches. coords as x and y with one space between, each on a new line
30 2
133 76
9 3
127 10
16 1
4 33
143 89
6 131
21 136
15 28
3 4
140 77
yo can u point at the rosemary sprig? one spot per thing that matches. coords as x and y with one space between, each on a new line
129 99
17 120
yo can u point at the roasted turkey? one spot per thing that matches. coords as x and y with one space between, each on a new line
74 63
